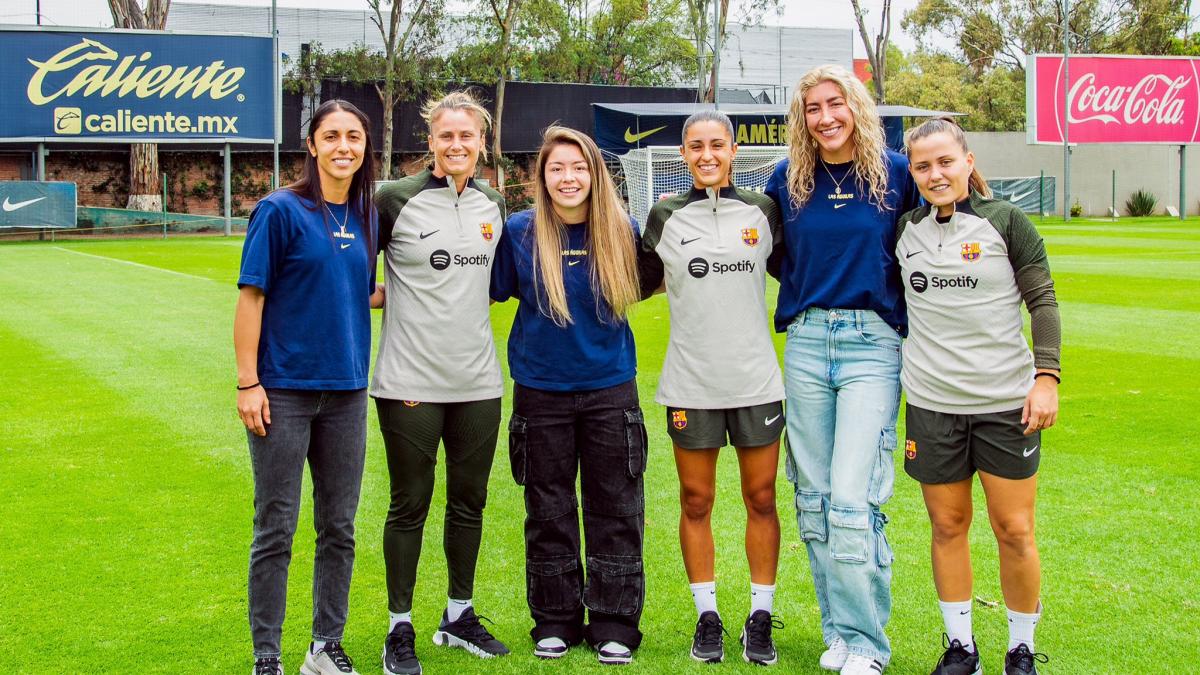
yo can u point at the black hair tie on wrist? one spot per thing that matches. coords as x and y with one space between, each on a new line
250 386
1045 374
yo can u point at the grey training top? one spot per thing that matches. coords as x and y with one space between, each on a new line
964 281
712 248
436 345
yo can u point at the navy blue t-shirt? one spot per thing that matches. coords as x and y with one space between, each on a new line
839 248
317 278
589 353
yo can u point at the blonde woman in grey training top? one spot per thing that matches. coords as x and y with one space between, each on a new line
978 399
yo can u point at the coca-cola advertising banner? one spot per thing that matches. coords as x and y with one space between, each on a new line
1113 99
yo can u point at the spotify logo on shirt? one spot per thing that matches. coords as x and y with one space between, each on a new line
918 281
439 259
698 267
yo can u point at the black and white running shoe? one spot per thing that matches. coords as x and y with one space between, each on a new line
469 634
757 646
708 643
1021 661
400 651
550 648
268 666
956 660
613 653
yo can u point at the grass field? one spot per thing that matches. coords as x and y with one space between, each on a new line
125 491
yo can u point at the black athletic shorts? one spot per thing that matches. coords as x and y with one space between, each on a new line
751 426
947 448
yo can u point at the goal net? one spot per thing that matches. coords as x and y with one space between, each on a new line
657 172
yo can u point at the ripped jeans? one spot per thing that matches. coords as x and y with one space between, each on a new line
842 376
600 436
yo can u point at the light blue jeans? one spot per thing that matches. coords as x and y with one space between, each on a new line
842 374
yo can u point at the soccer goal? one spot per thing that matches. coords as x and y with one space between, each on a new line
657 172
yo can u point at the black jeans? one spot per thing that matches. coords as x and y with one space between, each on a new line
602 435
329 430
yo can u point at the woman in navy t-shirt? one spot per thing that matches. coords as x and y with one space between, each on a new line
302 336
572 263
841 192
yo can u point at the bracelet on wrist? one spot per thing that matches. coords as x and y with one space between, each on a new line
249 386
1045 374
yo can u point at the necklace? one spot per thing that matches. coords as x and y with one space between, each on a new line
346 216
837 184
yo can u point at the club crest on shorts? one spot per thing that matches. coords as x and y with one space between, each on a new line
750 236
486 230
679 419
970 251
910 449
412 404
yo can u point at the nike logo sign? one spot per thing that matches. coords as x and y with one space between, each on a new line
572 263
770 420
685 242
964 613
837 206
429 234
631 137
909 255
345 246
9 206
1029 452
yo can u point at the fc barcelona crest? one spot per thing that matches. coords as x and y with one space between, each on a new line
486 230
412 404
910 449
679 419
750 236
970 251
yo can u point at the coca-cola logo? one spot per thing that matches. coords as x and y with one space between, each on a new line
1115 99
1153 100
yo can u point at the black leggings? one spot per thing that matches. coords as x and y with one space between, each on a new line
411 434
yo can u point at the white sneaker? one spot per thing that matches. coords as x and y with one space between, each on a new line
857 664
550 648
835 657
613 653
329 660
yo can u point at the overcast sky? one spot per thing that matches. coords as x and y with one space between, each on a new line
823 13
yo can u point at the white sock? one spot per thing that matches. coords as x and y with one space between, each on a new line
398 617
704 594
317 646
762 597
957 617
455 608
1020 628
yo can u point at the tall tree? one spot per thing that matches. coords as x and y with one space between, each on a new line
877 49
504 13
400 56
697 24
143 157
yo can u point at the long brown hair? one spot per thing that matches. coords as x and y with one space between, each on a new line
609 236
947 125
309 184
870 167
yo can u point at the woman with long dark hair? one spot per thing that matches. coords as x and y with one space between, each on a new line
571 263
302 337
841 193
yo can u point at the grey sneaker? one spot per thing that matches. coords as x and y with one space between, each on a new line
329 660
268 666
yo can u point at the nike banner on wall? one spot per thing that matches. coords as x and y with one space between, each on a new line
37 204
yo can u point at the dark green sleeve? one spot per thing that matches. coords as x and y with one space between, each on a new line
389 200
1027 254
912 216
498 199
650 265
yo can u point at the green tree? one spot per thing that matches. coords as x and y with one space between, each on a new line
143 157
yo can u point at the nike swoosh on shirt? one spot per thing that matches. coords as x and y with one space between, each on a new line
429 234
1030 451
909 255
572 263
631 137
685 242
10 206
345 246
770 420
837 206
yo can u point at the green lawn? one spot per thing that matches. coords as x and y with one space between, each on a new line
126 493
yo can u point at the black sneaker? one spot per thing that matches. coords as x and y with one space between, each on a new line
469 634
613 653
956 660
708 644
1021 661
400 652
268 666
757 645
550 648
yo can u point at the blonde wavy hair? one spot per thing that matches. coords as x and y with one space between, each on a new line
609 236
870 167
459 100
